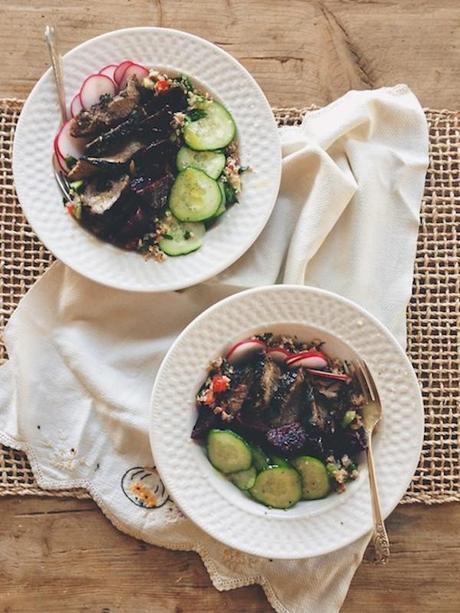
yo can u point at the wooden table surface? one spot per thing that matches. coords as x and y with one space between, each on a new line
63 555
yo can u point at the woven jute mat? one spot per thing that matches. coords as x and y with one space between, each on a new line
432 317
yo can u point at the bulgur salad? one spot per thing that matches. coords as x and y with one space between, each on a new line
281 419
151 160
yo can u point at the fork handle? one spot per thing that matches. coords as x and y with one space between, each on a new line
380 536
56 63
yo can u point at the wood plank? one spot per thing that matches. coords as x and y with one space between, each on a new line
301 52
55 549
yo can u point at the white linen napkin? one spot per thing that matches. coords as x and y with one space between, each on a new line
75 392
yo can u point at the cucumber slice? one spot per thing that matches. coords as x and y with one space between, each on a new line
194 196
315 480
228 452
260 458
277 486
210 162
244 479
182 238
277 460
222 208
215 130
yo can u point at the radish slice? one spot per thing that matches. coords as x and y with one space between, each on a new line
308 359
329 375
94 87
134 70
279 354
120 71
243 349
67 145
59 157
109 71
76 106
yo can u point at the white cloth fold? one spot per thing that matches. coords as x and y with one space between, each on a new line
75 393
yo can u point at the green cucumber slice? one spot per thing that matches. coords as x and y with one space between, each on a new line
260 458
222 208
215 130
315 479
210 162
277 460
277 486
182 238
194 196
244 479
228 452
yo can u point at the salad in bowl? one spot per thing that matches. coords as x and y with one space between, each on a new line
151 160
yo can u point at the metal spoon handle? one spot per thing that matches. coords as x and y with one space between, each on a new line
380 537
56 63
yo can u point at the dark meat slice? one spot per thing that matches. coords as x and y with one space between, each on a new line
109 112
107 141
158 123
152 161
86 168
174 98
99 196
290 397
239 390
205 421
266 375
288 440
153 192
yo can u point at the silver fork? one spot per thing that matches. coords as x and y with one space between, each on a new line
56 63
372 413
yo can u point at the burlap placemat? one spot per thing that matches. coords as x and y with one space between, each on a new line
433 313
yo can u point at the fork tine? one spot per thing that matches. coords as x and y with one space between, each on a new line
362 381
370 380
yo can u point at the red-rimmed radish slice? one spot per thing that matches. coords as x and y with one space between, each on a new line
76 106
59 157
95 86
67 145
109 71
140 72
243 349
279 354
329 375
120 71
308 359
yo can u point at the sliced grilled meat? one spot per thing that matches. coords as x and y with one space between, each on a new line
174 98
154 160
290 397
99 198
205 421
266 375
86 168
109 112
113 138
239 391
153 192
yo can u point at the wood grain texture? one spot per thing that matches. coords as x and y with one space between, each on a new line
301 51
58 555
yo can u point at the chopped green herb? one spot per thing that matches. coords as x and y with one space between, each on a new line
70 161
230 194
76 186
242 169
187 235
348 418
145 243
195 114
185 82
167 237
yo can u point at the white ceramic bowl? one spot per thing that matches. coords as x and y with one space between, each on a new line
310 528
224 77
